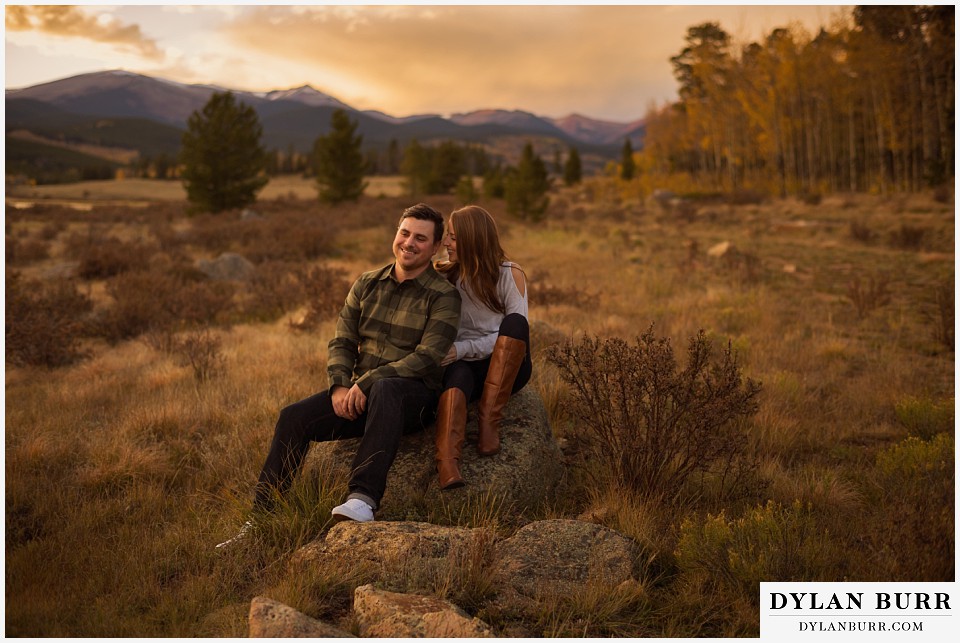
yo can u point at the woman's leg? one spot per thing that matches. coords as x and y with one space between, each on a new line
511 356
458 386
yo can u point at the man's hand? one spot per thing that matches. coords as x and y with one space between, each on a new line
450 358
348 403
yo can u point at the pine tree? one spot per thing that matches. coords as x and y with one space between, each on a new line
526 187
221 154
338 161
572 170
415 168
628 166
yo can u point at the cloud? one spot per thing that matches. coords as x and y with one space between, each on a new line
71 22
546 59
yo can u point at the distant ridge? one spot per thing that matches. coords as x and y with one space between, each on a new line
120 93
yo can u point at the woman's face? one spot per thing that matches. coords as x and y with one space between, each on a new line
450 242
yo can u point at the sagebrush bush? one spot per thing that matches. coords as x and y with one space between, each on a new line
939 311
288 235
26 251
913 482
45 321
771 542
923 417
154 300
860 231
201 351
651 422
325 290
273 290
908 237
105 258
869 294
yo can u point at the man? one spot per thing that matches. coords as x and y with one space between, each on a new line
394 329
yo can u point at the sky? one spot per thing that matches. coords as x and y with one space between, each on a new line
605 62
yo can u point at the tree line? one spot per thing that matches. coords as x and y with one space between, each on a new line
867 105
223 164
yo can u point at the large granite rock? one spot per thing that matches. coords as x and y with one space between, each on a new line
559 556
271 619
524 473
385 549
384 614
229 266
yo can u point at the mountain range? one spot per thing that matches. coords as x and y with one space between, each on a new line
120 109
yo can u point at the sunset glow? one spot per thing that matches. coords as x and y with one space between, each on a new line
607 62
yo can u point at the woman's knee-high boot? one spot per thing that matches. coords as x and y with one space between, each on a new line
451 431
508 354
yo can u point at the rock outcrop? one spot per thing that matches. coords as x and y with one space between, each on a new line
525 472
271 619
558 556
386 546
384 614
227 267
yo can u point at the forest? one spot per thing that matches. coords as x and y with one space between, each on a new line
865 106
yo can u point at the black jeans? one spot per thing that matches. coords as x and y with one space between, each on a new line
395 406
470 376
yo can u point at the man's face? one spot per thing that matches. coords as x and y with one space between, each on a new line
414 246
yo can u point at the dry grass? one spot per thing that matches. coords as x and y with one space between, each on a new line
123 468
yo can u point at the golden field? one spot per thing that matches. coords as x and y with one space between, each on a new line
133 450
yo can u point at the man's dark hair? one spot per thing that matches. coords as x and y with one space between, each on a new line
424 212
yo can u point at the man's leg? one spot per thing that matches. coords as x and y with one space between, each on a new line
395 406
309 420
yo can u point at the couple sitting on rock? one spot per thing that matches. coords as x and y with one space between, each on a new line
408 333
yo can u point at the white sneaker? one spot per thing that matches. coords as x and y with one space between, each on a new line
353 509
244 532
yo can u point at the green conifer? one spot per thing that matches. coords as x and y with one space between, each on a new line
221 154
338 161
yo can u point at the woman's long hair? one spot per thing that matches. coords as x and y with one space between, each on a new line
479 255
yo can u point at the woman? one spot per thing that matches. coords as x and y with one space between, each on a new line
490 358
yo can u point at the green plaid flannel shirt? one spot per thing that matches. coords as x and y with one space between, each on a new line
392 329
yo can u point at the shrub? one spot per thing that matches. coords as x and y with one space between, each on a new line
200 350
908 237
869 295
325 290
940 312
103 257
942 193
769 543
923 417
652 424
44 321
860 231
746 197
153 300
914 483
273 290
27 251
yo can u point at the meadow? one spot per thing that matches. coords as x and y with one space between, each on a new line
141 397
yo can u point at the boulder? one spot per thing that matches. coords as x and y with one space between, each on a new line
382 545
721 250
525 472
227 267
272 619
384 614
560 556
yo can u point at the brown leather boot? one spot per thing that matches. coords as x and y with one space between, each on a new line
508 354
451 431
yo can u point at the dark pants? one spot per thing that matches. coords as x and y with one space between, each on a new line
470 376
395 406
